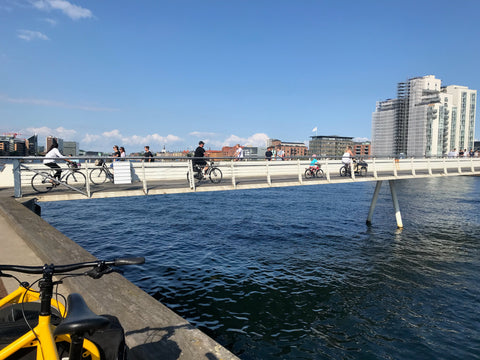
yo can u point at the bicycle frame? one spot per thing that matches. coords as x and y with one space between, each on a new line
42 335
42 338
107 171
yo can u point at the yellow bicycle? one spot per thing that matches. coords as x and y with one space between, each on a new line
39 310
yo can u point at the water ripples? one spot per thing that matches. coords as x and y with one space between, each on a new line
295 274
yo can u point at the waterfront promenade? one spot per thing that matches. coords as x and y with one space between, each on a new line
152 330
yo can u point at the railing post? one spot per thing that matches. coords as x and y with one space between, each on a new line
459 166
471 165
269 179
17 179
413 169
429 167
327 171
300 180
398 215
445 171
234 182
375 173
87 175
144 180
395 167
352 170
191 178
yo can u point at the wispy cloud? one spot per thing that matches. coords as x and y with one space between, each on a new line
52 22
51 103
29 35
72 11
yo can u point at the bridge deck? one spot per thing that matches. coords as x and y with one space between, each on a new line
169 177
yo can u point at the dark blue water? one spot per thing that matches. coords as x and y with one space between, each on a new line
294 273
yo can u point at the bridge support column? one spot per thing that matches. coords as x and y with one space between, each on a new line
398 215
374 202
393 191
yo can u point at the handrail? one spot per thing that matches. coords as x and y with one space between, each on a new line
171 172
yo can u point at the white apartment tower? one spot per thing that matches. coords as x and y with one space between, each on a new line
426 119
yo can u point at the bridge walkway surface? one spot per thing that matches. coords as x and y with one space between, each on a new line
169 177
152 330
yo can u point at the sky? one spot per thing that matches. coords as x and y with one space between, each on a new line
168 73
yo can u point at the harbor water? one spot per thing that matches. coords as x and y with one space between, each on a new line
294 273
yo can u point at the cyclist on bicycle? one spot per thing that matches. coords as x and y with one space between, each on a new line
347 157
197 162
50 156
314 160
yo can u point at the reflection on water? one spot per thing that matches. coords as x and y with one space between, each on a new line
295 274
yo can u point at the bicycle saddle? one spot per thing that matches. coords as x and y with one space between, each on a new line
80 319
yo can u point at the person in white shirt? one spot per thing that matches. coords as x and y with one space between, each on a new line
50 157
123 154
238 153
347 156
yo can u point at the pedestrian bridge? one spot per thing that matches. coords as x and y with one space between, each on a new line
169 176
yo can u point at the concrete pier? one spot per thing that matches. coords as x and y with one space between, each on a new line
152 330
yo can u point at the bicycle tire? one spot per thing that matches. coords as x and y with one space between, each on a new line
98 176
308 174
319 173
41 182
215 175
343 171
77 180
363 171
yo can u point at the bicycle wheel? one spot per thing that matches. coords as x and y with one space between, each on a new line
319 173
98 176
363 171
308 174
343 171
215 175
41 182
77 179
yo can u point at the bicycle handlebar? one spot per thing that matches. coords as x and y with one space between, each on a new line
55 269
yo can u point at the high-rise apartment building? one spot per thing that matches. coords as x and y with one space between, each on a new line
425 119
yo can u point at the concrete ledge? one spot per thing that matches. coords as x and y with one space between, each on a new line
153 331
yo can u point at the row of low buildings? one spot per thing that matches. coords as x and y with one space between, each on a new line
325 146
11 145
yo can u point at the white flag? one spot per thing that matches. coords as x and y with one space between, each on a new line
314 129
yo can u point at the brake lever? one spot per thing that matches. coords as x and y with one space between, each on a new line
99 271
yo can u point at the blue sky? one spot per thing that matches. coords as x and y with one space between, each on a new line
171 73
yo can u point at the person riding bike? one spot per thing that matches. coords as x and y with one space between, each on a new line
50 156
347 157
197 162
314 161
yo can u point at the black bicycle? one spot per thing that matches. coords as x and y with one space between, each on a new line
100 174
359 168
213 173
43 182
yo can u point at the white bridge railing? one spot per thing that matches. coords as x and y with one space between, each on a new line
18 173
